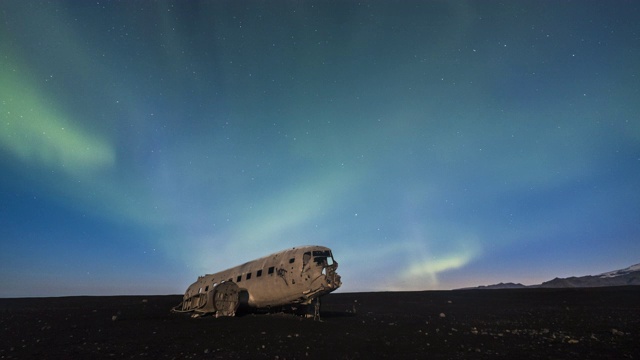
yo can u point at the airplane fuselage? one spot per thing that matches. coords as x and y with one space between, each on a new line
294 276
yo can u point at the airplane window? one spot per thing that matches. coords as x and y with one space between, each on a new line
292 260
305 258
323 260
239 278
248 276
271 270
325 253
258 273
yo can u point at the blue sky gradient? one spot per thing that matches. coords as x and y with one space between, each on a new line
431 145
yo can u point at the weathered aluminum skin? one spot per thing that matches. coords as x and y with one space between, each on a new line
294 276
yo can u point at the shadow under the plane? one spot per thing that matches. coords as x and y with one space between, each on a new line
336 314
295 311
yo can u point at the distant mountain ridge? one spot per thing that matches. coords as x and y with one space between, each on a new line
509 285
622 277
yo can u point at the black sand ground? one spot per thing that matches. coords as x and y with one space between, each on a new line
601 323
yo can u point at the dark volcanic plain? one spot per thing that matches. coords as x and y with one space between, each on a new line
594 323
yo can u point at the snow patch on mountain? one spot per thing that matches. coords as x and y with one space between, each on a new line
622 277
621 272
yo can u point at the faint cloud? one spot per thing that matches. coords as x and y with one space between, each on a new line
430 268
425 264
273 224
36 133
414 264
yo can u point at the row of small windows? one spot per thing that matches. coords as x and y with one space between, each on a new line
320 257
270 271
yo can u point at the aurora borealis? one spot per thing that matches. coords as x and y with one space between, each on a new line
430 144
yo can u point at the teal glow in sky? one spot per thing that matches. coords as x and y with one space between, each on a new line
430 144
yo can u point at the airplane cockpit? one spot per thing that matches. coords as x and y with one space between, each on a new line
322 262
321 258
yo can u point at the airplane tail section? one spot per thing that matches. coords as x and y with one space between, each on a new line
223 300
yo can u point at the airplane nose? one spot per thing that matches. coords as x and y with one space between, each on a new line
333 279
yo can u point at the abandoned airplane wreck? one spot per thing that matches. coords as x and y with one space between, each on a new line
296 276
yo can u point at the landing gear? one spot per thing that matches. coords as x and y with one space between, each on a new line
316 309
313 309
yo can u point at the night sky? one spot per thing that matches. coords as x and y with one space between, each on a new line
430 144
